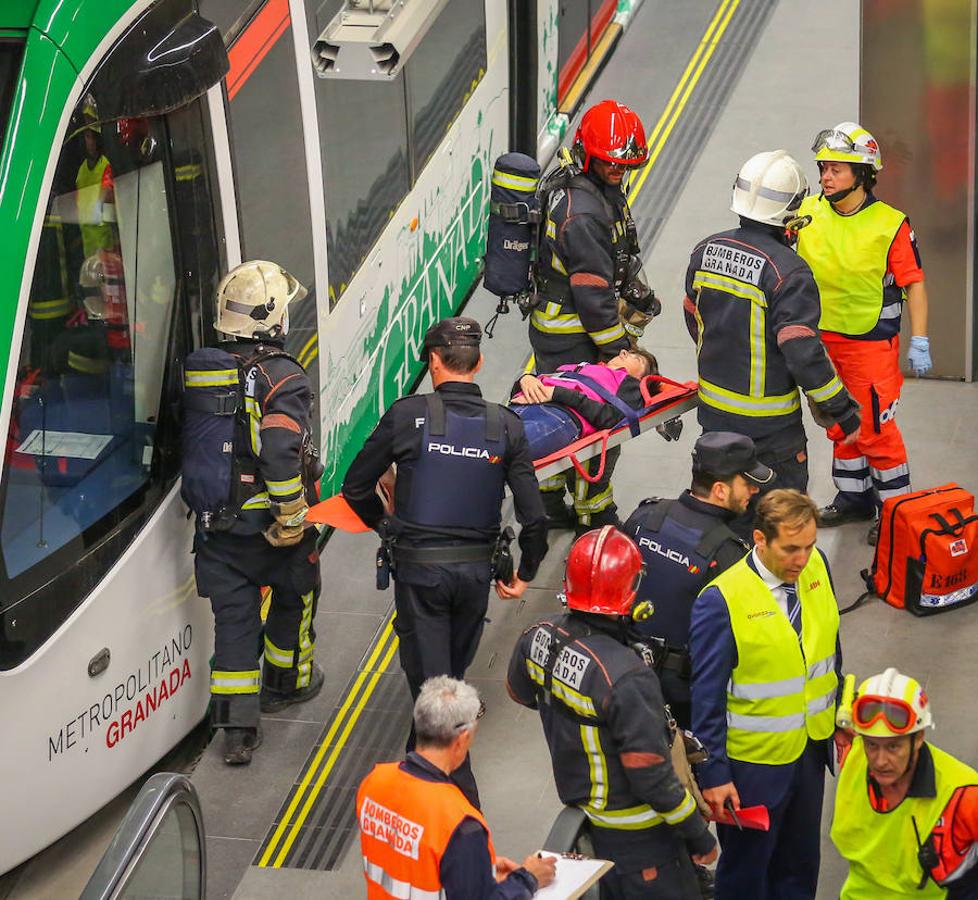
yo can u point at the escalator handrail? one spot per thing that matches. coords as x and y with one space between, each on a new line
158 795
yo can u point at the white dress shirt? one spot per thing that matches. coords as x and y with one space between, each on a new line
774 584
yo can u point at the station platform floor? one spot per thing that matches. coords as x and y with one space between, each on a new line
722 80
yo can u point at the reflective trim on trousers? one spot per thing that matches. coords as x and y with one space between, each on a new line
770 724
276 656
554 483
402 890
766 690
820 704
889 474
235 682
306 645
822 667
886 493
853 485
850 465
584 505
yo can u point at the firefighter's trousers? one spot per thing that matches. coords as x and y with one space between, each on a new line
231 569
875 467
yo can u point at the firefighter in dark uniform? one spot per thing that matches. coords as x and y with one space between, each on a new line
455 454
752 307
589 248
685 544
603 718
266 542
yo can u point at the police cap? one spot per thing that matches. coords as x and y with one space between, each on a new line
457 331
725 453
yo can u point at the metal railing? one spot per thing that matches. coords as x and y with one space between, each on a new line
158 850
569 834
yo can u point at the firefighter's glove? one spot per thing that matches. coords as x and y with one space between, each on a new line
634 317
919 355
287 529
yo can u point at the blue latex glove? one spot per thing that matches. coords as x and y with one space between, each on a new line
919 356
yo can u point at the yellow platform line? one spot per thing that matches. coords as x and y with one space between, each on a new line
388 641
683 90
598 56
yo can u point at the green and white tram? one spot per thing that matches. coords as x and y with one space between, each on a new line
147 147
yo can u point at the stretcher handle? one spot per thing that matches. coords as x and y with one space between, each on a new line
593 479
647 395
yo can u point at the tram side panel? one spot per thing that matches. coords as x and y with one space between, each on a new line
104 645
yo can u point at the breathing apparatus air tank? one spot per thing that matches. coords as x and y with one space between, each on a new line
513 220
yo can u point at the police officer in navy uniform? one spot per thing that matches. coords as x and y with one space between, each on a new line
752 307
589 243
265 541
455 453
686 543
604 721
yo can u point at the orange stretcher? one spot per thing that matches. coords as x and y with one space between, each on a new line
672 399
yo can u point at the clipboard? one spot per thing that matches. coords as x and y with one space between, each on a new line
575 875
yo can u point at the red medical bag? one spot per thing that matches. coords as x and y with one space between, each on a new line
927 555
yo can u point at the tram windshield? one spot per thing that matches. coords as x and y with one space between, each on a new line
82 439
10 52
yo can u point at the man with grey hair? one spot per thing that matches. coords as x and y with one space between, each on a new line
418 832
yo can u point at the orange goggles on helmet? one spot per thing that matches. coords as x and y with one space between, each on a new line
897 715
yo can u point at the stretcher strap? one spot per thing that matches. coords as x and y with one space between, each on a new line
593 479
628 415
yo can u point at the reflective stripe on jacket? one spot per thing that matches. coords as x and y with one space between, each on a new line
405 827
781 691
881 848
848 256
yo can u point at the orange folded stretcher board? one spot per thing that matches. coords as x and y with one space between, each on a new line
672 400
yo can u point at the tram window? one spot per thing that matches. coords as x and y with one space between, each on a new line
84 435
363 128
269 154
10 53
443 72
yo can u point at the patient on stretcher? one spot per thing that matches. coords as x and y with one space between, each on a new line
575 401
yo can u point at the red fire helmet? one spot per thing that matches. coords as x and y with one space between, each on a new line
610 131
603 571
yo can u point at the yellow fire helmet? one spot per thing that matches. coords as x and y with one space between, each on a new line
847 142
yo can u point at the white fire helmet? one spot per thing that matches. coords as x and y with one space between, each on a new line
253 300
769 188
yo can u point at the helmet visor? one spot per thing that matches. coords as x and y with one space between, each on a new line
631 154
896 714
831 139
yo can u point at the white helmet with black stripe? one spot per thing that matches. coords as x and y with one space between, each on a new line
253 300
769 188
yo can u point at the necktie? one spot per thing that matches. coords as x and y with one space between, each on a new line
793 605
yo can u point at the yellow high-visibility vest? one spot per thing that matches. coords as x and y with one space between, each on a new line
782 690
847 255
95 234
881 848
